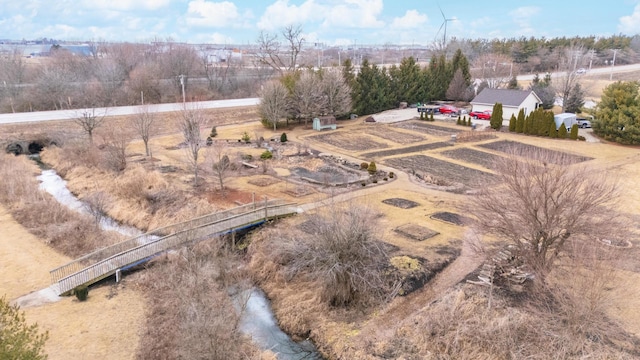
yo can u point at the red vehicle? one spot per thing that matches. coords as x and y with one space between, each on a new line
447 109
482 115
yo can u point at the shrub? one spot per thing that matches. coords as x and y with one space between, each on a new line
283 137
245 137
372 168
385 178
458 122
582 138
19 340
213 133
209 141
375 181
81 292
364 165
431 117
562 132
574 132
421 116
266 155
246 157
391 175
468 120
364 183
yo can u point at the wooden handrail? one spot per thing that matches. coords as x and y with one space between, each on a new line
90 268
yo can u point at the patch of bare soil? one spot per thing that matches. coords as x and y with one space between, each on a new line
401 203
405 150
449 172
263 181
528 151
475 136
415 232
473 156
387 133
428 128
299 190
346 141
452 218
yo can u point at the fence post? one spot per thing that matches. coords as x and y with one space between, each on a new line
265 208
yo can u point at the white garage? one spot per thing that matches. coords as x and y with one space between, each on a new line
512 101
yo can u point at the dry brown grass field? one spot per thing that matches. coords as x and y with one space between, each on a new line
432 178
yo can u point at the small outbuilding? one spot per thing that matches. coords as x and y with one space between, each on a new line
568 119
512 101
324 122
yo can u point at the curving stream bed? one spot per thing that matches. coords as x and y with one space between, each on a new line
256 320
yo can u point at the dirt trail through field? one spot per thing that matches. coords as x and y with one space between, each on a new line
404 309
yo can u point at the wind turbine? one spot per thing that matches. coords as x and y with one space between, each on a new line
445 20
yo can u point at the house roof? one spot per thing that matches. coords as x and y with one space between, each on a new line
506 97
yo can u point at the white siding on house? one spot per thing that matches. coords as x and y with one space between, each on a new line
529 105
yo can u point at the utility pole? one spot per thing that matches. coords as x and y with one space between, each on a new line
613 63
184 99
591 59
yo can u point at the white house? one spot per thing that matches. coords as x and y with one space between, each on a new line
512 101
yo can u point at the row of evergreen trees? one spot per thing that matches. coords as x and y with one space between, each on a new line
541 123
375 89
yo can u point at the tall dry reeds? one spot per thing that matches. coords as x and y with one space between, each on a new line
192 314
69 232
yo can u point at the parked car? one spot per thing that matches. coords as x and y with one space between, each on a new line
581 71
448 109
482 115
583 123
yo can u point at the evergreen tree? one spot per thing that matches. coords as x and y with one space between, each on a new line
468 120
405 81
496 116
431 117
574 132
525 125
520 122
562 132
513 84
512 123
553 133
618 113
575 100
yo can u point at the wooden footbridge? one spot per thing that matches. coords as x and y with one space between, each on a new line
111 260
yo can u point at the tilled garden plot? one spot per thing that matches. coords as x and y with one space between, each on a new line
405 150
427 128
533 152
387 133
349 141
472 156
450 172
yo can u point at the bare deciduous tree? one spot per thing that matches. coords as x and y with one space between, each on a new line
572 58
190 122
114 148
340 249
306 99
143 124
495 69
220 163
89 120
270 50
336 93
539 204
274 102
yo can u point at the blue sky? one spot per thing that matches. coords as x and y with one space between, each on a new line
332 22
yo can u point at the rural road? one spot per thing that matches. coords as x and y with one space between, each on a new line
14 118
594 71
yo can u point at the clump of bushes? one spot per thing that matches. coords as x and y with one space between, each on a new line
266 155
364 165
81 292
372 168
283 138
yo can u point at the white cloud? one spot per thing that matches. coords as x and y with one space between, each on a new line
630 24
522 17
212 14
280 14
125 5
355 14
412 19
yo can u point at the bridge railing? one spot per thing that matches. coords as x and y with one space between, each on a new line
106 252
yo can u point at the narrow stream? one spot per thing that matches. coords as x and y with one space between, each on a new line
257 319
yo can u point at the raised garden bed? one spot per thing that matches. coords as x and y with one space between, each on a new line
401 203
532 152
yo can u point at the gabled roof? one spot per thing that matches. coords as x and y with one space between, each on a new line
506 97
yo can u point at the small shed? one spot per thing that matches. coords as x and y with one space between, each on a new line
324 122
